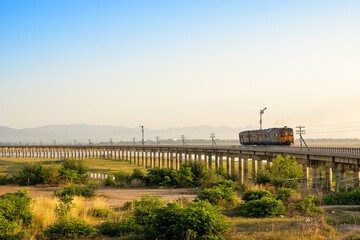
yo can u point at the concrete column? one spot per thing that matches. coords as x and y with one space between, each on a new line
232 165
177 160
306 174
181 159
315 177
152 159
259 163
186 157
328 177
228 164
356 175
253 166
221 160
246 170
342 176
171 160
216 160
240 169
163 159
209 157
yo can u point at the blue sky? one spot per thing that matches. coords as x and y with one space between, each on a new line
180 63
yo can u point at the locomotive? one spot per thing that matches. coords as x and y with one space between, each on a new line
271 136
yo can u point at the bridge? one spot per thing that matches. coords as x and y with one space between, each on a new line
240 160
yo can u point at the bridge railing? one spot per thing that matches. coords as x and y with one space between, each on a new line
346 150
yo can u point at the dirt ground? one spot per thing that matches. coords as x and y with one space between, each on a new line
113 196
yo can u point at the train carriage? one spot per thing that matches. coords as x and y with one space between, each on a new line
271 136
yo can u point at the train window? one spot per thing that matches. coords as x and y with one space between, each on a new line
282 134
291 132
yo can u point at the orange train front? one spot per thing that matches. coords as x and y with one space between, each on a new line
271 136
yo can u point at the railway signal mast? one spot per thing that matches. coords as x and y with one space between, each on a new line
212 136
261 113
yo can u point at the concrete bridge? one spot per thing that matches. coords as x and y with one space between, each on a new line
238 160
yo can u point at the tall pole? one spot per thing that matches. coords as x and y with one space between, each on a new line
142 134
183 140
212 136
261 113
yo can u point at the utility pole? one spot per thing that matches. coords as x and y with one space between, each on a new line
157 141
183 140
89 141
212 136
261 113
300 130
54 142
111 142
134 142
142 134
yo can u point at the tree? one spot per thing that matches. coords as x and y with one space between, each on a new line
278 173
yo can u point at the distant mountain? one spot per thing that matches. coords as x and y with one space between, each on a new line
97 134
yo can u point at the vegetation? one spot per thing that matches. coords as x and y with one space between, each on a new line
343 198
88 191
278 173
155 219
14 209
221 193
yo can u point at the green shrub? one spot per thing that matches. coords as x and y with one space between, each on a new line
6 179
126 226
284 194
278 173
122 178
163 177
264 207
87 192
137 174
99 212
200 220
143 209
69 228
9 230
343 198
16 207
307 205
199 173
74 170
109 181
250 195
32 174
222 192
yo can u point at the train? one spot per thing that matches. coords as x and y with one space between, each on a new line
270 136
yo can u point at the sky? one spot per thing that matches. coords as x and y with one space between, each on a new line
181 63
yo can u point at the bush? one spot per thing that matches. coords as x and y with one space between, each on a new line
126 226
16 207
307 205
137 174
99 212
284 194
264 207
255 195
343 198
278 173
74 170
33 174
222 192
109 181
9 230
122 178
87 192
143 210
163 177
6 179
69 228
200 220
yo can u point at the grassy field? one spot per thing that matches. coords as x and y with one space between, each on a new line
12 165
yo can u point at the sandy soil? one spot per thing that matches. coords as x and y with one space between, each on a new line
114 196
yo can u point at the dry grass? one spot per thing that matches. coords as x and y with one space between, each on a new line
44 209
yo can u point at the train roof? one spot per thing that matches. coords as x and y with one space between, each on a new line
269 130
